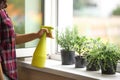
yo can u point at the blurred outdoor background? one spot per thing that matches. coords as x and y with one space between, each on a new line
26 16
98 18
94 18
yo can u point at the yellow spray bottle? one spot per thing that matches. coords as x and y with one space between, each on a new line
40 53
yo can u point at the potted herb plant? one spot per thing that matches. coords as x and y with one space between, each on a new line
66 40
93 63
79 47
109 54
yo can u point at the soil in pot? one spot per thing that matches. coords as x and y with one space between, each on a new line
68 57
80 62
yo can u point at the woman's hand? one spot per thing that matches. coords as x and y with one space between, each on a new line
22 38
42 31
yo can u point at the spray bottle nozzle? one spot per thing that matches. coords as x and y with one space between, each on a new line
49 34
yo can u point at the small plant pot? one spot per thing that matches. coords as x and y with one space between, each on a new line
108 71
93 64
68 57
92 67
80 62
111 69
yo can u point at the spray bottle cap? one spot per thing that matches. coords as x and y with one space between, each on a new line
49 34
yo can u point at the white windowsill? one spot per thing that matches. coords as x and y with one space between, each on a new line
24 52
28 52
55 67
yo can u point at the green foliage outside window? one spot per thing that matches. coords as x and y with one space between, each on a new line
116 11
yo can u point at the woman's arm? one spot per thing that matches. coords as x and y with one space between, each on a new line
22 38
1 73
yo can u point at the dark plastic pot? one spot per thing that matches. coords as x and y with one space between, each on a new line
93 64
80 62
92 67
68 57
111 69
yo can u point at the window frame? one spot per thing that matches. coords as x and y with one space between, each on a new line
50 13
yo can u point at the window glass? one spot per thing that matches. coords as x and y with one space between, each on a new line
27 16
98 18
